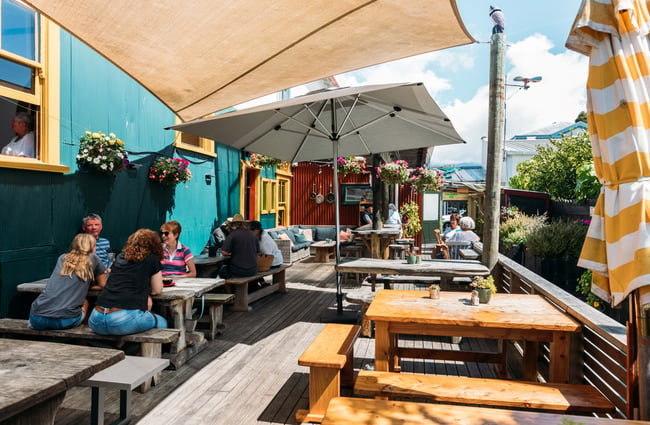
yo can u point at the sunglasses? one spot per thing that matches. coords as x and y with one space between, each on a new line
164 233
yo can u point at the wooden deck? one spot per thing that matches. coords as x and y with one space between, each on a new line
250 373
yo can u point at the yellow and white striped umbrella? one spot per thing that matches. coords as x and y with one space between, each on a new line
614 34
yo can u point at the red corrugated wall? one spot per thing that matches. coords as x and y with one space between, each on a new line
304 210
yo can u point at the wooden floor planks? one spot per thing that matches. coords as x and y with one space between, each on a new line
250 373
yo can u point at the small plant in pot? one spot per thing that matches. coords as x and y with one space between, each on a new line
485 287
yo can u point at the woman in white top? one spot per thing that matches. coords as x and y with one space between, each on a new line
466 233
267 244
23 143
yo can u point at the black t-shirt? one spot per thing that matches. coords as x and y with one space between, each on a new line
129 283
243 246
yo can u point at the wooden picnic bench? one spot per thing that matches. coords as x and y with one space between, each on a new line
214 305
548 397
330 361
344 411
124 376
239 286
150 341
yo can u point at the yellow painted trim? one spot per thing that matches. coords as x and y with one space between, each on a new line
31 164
19 59
242 187
48 97
284 171
185 146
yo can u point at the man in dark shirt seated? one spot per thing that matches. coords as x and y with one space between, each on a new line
243 247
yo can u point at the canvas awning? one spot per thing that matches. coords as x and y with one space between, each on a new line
202 56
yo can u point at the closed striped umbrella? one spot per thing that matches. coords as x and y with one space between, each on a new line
614 34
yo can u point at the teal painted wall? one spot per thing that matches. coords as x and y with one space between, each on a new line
43 211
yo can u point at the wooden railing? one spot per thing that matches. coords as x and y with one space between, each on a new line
599 352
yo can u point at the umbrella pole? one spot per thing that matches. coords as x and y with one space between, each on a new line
643 356
337 251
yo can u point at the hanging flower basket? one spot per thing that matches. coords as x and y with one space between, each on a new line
258 161
101 153
351 165
170 171
423 180
395 172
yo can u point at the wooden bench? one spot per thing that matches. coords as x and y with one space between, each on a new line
548 397
124 376
239 286
330 361
150 341
344 411
213 304
468 254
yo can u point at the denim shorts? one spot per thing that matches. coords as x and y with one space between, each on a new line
41 323
124 322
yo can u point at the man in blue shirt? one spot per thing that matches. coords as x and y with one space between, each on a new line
92 224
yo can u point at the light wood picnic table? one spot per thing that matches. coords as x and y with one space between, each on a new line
377 240
445 269
207 266
177 302
507 317
36 375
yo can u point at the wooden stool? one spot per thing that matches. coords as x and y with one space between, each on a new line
397 251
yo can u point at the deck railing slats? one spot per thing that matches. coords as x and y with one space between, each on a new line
603 347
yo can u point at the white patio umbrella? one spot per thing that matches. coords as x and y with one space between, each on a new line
367 120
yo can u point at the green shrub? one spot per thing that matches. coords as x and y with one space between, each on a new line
515 230
558 239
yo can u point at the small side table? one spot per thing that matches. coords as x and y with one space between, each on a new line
323 251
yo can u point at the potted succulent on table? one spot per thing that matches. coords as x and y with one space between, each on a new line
485 287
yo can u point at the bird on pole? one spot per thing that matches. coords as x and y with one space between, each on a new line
499 20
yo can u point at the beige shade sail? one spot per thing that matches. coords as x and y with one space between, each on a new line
617 249
202 56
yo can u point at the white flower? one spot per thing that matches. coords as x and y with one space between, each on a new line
119 155
78 156
85 151
103 166
103 157
110 166
107 138
96 160
112 135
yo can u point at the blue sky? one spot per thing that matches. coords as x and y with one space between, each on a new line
458 78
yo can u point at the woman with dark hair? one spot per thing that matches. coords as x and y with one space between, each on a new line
123 306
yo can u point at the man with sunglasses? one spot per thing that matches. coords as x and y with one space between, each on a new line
92 224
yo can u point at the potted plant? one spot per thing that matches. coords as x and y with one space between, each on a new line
423 179
101 153
258 161
485 287
395 172
351 165
412 224
170 171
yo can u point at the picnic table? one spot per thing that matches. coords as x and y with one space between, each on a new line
36 376
377 240
176 301
445 269
207 266
529 318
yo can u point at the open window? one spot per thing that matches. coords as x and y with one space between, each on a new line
29 117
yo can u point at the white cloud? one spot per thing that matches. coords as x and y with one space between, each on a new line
560 96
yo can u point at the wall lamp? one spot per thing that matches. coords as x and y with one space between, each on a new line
208 179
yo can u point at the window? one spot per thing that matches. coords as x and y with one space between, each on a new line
269 188
194 143
29 61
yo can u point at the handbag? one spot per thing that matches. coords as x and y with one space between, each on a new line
264 262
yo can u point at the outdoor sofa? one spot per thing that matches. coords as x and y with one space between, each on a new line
296 244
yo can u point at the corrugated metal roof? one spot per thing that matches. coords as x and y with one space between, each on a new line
524 147
555 130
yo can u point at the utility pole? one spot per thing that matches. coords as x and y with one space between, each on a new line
496 114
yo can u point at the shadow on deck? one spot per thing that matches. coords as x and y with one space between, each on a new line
250 373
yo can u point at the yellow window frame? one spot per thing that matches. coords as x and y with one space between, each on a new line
192 143
47 96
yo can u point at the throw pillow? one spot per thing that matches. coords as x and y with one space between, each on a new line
343 235
308 234
300 237
273 234
285 237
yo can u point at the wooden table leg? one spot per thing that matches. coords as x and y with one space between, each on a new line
382 346
559 358
375 244
529 366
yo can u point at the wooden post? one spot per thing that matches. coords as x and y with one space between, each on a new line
496 117
643 357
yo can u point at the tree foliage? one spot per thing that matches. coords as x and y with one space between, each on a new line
582 116
554 168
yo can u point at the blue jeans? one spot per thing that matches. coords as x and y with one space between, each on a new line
41 323
124 322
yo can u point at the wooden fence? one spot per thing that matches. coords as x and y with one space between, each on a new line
599 352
